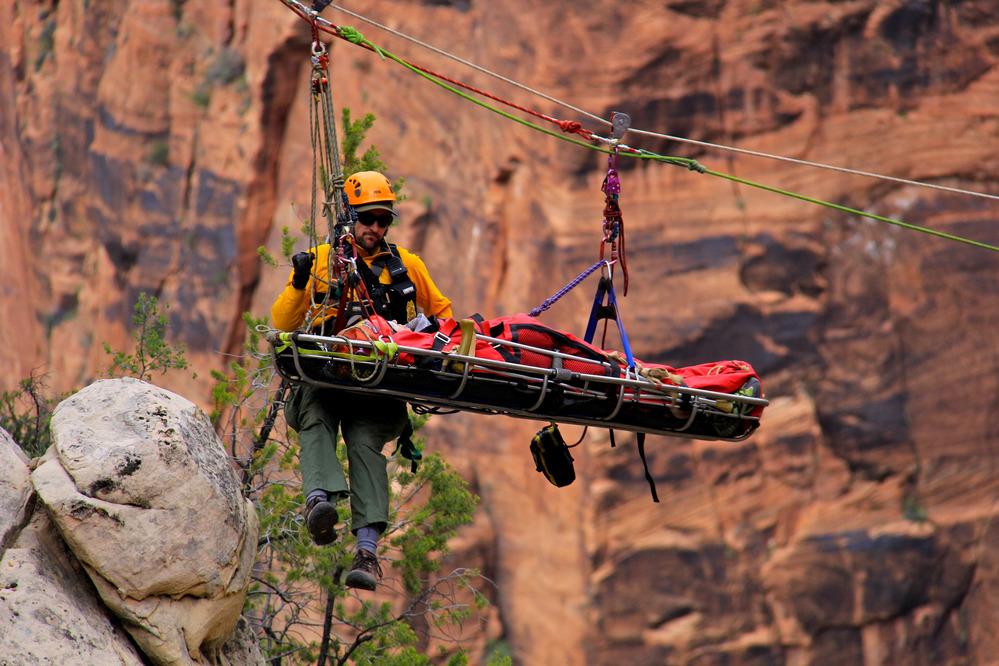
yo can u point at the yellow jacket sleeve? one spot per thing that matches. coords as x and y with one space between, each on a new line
428 297
289 309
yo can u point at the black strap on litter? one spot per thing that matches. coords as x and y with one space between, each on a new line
408 449
640 438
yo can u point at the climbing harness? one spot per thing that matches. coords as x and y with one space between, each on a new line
395 301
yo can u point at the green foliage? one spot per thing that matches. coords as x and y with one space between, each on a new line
428 527
26 414
152 351
294 576
266 257
202 96
287 243
912 509
159 154
227 67
234 389
354 132
498 654
46 44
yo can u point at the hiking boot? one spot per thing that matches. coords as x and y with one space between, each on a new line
321 517
364 572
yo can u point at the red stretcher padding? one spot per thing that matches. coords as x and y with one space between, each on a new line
721 376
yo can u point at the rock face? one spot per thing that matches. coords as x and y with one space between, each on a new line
49 612
146 510
15 489
154 145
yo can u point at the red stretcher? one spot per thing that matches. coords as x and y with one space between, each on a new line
519 367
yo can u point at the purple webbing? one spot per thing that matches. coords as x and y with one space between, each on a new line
550 301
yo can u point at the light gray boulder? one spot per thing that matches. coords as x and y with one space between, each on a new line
141 489
15 489
49 613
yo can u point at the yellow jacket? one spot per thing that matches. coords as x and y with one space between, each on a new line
291 306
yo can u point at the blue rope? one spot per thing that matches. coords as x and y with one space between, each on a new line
550 301
606 288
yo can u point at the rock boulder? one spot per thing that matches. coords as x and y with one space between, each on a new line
15 489
140 488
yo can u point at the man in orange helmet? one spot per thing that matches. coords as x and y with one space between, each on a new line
400 288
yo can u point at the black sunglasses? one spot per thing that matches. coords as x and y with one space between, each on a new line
383 220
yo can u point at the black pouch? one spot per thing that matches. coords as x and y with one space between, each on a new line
552 457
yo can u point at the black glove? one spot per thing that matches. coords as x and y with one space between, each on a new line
303 267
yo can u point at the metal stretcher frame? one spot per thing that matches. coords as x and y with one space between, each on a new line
447 379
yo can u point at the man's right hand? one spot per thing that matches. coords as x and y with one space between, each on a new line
302 263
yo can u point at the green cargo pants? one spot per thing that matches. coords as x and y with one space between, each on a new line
367 424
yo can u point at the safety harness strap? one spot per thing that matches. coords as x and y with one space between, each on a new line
408 448
389 300
610 310
640 438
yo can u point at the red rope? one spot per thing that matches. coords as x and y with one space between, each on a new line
567 126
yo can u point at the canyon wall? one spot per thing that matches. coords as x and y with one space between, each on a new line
153 146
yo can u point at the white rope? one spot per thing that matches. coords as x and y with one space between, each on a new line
704 144
830 167
468 63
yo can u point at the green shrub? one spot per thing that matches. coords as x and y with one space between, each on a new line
26 414
159 154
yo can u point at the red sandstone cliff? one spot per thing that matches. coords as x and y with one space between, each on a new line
154 145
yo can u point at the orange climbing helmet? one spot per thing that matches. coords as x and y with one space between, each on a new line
369 190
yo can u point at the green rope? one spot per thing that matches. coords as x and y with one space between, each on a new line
355 37
854 211
380 349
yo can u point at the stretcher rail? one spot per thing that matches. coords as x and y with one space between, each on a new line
448 379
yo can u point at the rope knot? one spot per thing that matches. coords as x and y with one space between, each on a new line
570 126
351 34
